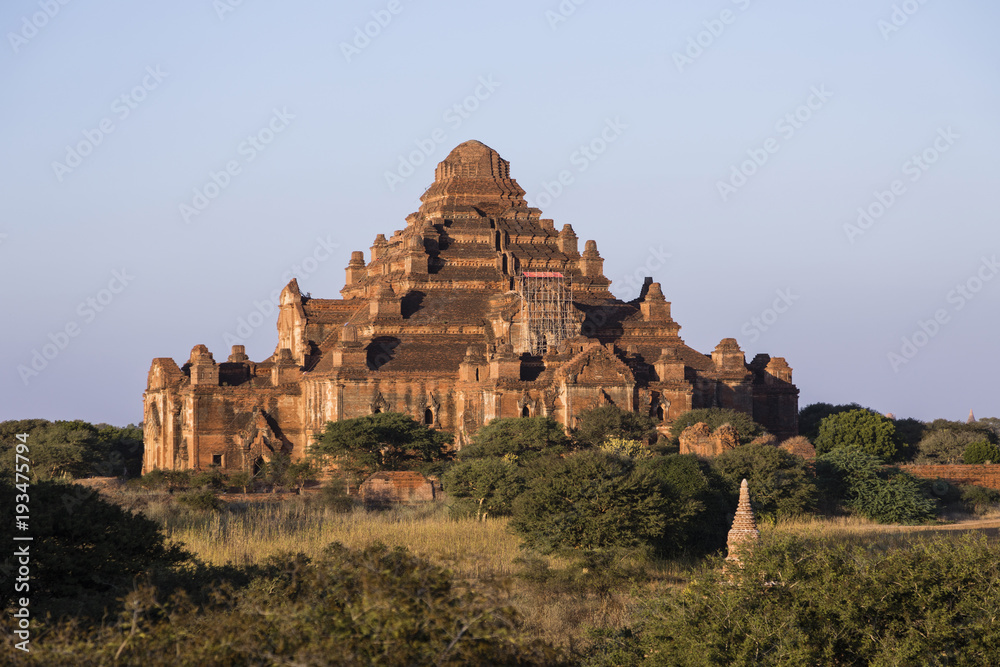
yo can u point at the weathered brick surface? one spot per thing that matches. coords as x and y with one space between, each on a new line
397 487
433 326
987 475
701 440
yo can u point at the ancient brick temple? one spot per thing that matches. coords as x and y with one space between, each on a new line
479 308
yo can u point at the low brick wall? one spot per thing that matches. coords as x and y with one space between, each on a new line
983 474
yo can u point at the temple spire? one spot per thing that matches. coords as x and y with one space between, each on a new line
972 417
744 533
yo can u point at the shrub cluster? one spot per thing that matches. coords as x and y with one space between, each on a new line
799 602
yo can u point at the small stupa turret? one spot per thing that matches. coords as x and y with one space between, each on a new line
744 533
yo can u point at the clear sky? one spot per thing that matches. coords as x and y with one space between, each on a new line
167 166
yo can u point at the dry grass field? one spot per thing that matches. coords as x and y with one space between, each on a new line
559 606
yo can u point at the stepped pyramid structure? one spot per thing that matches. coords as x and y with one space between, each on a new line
478 308
744 533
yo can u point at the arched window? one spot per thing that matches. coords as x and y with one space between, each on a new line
428 416
659 412
525 412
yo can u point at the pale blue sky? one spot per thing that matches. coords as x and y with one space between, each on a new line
552 87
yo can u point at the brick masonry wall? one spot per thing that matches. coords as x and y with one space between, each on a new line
987 475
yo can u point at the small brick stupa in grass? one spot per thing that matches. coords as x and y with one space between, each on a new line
744 534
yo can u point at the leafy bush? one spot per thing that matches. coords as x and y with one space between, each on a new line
484 487
208 479
632 449
927 603
696 509
525 438
349 607
780 483
334 495
745 426
897 498
862 428
946 442
170 480
981 451
978 499
242 481
594 500
589 500
855 478
203 500
597 425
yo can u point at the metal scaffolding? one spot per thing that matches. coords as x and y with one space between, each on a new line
546 304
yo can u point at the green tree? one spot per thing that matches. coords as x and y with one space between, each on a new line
869 430
696 509
484 487
814 413
243 480
590 500
946 441
993 424
981 451
596 425
300 473
122 449
780 483
525 438
74 448
909 432
745 426
384 441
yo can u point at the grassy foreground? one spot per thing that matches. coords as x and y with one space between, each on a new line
560 599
